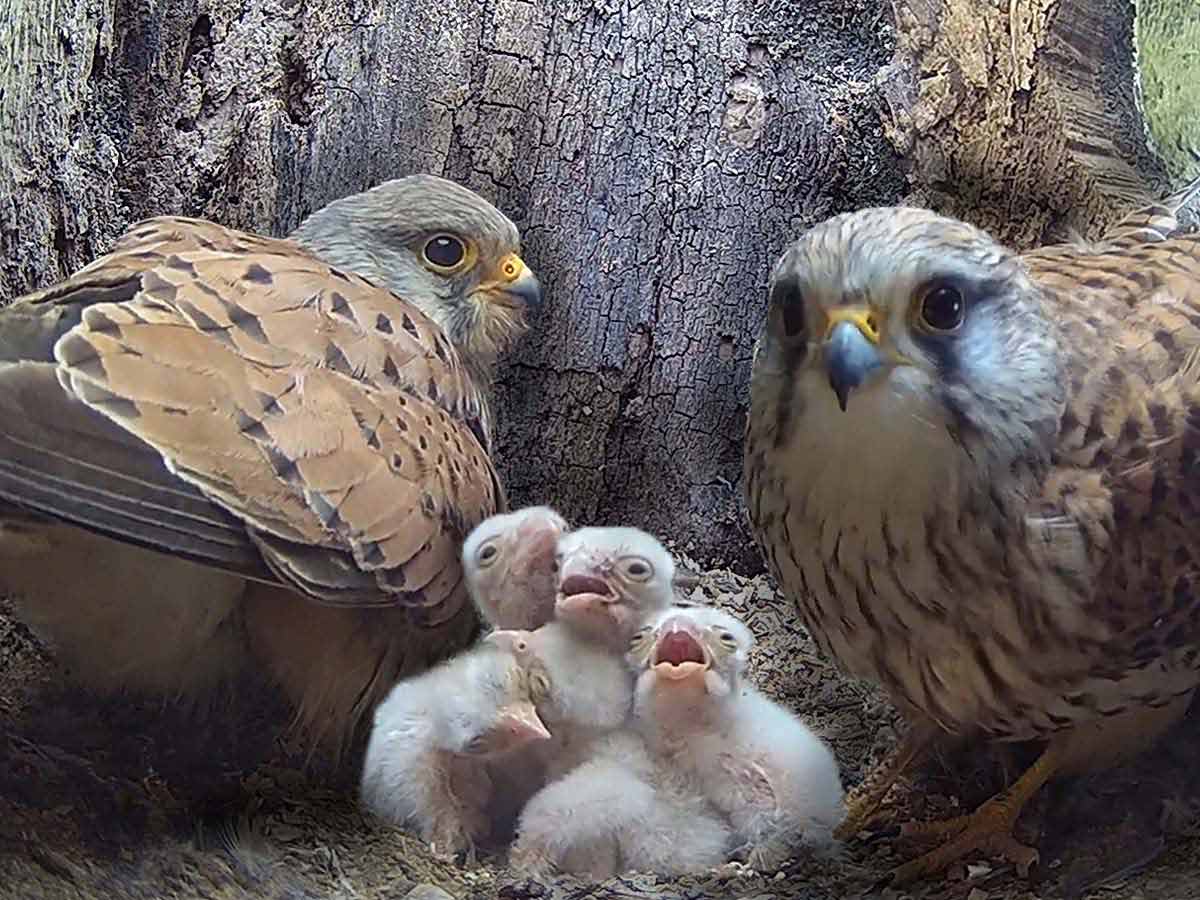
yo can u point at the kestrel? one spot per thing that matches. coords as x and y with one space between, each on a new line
755 761
975 472
510 567
610 580
438 749
224 451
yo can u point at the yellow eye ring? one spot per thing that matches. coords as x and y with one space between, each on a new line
446 253
510 269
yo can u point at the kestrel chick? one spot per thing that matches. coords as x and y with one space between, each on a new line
605 805
510 566
214 437
974 471
610 581
434 739
755 761
617 811
582 689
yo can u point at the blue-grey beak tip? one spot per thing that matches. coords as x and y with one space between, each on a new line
849 358
529 289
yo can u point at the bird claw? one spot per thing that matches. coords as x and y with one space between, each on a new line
863 804
765 856
529 861
451 840
862 811
988 829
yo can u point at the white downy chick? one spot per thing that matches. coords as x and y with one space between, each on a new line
607 806
436 737
582 690
754 760
510 567
618 811
610 581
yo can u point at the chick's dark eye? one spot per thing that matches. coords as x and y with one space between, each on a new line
444 251
943 308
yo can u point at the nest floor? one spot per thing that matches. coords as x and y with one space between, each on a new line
120 800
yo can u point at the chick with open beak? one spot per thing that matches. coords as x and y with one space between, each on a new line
510 566
610 580
696 658
755 761
604 805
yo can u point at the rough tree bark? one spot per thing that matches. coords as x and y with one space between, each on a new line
658 156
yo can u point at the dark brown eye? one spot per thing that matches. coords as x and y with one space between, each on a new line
943 308
444 251
790 301
487 554
638 569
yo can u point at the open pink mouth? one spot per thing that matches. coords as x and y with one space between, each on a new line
583 584
580 592
678 655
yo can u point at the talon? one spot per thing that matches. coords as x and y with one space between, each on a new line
988 829
863 802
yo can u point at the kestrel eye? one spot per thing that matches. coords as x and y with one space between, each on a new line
444 251
943 308
728 639
638 569
487 554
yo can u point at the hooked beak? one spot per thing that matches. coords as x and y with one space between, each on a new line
580 587
851 353
520 723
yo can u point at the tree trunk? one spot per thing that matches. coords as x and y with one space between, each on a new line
658 156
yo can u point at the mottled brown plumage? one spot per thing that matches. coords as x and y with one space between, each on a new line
976 474
304 421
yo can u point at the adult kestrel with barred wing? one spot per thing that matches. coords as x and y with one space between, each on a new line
224 452
976 473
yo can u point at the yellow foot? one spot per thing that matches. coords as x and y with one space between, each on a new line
864 801
988 829
861 810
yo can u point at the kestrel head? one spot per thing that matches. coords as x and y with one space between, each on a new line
440 246
897 327
510 566
610 580
501 679
693 649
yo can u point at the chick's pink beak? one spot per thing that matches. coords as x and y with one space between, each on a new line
537 541
678 654
521 724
